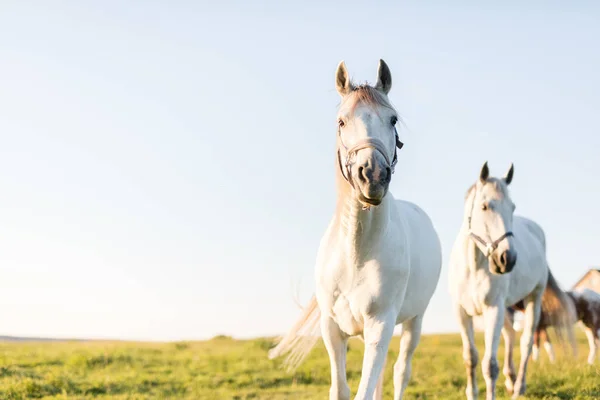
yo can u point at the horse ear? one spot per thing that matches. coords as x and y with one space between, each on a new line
509 175
342 80
485 173
384 77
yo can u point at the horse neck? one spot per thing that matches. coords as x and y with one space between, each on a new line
360 229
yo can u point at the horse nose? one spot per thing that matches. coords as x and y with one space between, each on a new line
507 260
367 173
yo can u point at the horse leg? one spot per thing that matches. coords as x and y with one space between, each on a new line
597 340
378 395
535 350
470 356
494 321
572 339
532 316
336 344
411 333
378 332
547 344
592 336
508 332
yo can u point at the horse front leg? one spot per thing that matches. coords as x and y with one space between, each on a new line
378 333
592 336
494 321
411 333
543 336
508 332
336 344
470 356
532 316
378 395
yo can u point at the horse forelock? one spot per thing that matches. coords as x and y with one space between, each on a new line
365 95
498 184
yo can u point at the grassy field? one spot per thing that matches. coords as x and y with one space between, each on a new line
224 368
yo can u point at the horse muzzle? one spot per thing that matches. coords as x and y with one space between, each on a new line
372 180
503 263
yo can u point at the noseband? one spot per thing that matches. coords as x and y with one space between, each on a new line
490 247
370 143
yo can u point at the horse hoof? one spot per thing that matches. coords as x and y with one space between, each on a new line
342 393
518 391
509 386
471 394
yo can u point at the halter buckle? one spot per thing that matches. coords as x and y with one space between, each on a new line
489 249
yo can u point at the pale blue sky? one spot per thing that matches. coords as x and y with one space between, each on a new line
166 168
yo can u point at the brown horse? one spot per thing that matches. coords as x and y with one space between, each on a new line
586 304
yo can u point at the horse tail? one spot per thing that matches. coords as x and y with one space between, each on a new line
300 340
559 309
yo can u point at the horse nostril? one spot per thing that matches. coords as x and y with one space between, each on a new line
503 259
507 260
362 176
511 260
388 174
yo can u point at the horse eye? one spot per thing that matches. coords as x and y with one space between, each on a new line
341 123
484 207
394 120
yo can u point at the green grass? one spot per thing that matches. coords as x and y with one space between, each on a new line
224 368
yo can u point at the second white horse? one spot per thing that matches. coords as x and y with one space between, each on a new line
499 260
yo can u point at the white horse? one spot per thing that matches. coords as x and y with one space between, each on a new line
379 261
486 276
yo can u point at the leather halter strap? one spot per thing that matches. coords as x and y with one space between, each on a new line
490 246
370 143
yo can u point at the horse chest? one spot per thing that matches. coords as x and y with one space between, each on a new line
349 294
478 291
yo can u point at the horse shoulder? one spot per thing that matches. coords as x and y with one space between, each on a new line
424 258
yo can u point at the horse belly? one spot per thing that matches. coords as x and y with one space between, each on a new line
420 289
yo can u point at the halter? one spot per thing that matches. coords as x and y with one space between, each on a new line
370 143
490 247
